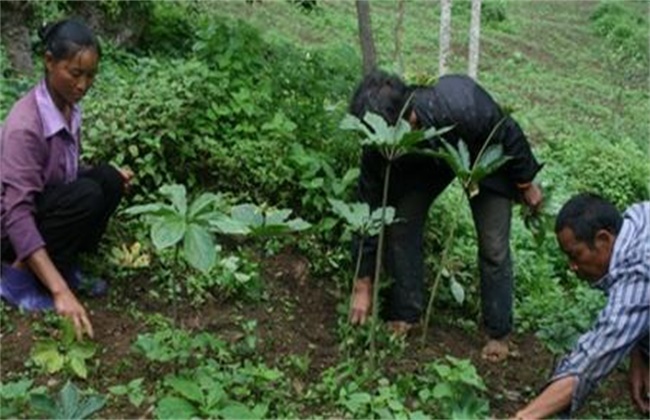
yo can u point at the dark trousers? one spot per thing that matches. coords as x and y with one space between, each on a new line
405 252
73 217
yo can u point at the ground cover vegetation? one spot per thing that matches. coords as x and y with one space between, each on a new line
229 263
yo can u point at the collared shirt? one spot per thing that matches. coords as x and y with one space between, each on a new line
38 148
625 321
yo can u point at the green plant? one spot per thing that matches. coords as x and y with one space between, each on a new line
232 275
236 391
70 403
249 219
458 389
179 221
66 353
392 142
133 390
15 397
362 222
180 347
183 221
469 174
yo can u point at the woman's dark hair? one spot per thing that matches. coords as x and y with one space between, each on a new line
380 93
66 37
585 214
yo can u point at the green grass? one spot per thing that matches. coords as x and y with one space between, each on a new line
545 60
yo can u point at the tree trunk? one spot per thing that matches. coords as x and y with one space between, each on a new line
399 30
445 36
474 40
15 19
365 35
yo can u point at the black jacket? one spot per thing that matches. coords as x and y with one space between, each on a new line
459 101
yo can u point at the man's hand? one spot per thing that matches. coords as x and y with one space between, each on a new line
66 304
127 175
532 196
361 301
639 380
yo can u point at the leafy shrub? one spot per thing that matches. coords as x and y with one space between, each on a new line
625 29
222 118
614 168
493 11
170 30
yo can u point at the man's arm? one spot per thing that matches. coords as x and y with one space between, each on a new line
639 380
555 398
620 325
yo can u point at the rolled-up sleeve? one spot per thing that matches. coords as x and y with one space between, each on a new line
619 327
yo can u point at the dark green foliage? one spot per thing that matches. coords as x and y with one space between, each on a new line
170 31
493 11
70 404
615 168
624 27
223 118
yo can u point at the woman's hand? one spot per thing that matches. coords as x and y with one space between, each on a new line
66 304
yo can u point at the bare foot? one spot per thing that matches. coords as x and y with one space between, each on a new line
361 301
495 350
399 328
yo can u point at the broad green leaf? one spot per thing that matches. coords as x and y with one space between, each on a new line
276 217
236 410
298 224
248 214
215 394
68 401
350 122
442 390
357 400
68 335
89 406
463 152
351 175
383 134
205 201
208 216
78 366
199 249
433 132
47 355
43 404
175 408
167 232
13 390
481 172
186 387
260 411
118 389
177 195
457 291
155 209
418 415
229 226
82 350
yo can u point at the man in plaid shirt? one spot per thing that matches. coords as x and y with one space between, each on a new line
611 252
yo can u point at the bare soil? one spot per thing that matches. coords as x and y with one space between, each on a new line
298 317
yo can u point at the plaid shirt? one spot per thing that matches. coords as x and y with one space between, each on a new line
625 321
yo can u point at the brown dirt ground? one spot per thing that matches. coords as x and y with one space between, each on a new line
299 318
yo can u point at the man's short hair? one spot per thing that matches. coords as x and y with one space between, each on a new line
587 213
380 93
